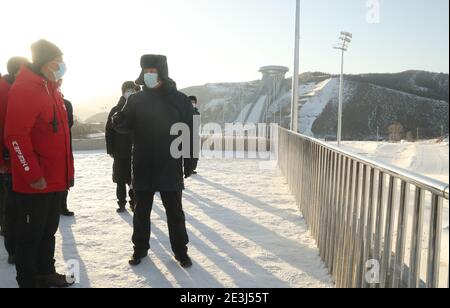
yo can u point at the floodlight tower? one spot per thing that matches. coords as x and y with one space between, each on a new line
344 42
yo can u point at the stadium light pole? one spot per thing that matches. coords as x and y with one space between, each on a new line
345 41
295 77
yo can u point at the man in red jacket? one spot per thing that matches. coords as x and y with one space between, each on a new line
8 208
38 138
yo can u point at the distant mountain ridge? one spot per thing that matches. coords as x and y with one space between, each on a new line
420 83
417 100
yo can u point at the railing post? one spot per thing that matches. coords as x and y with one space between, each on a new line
387 253
416 239
434 246
367 255
397 276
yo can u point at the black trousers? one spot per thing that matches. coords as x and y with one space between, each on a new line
10 216
38 222
2 202
176 221
121 193
64 196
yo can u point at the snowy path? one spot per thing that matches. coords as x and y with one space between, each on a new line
244 227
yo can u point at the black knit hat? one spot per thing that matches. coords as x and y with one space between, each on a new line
14 64
154 61
44 52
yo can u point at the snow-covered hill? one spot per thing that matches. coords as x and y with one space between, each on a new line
371 102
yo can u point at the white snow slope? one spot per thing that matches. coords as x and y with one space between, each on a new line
244 226
317 98
257 111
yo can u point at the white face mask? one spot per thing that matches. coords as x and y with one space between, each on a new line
151 80
128 94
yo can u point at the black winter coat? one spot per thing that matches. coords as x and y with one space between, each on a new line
149 116
69 109
119 146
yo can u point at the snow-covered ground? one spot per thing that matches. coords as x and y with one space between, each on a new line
244 226
428 157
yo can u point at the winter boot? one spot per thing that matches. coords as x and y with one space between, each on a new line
136 259
67 213
184 261
121 208
54 281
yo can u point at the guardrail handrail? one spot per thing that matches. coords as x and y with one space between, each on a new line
367 216
433 185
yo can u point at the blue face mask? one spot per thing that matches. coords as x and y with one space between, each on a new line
151 80
61 71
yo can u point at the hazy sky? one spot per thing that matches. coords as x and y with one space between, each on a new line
222 40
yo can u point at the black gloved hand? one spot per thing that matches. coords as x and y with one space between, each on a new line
117 118
189 167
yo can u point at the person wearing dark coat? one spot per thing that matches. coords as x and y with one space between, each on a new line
64 207
194 102
149 116
119 147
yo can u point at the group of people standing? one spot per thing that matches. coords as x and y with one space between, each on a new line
37 162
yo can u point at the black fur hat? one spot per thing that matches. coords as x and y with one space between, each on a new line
154 61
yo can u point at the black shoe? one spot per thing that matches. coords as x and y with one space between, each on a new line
184 261
12 260
68 213
54 281
136 259
194 173
121 210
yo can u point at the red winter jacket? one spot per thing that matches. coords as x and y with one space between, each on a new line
4 89
37 135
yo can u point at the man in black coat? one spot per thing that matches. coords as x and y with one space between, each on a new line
64 208
119 147
149 116
64 195
194 102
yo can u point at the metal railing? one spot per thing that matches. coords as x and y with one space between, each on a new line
375 225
